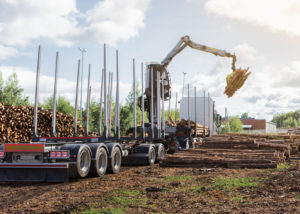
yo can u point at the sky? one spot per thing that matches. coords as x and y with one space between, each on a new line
264 35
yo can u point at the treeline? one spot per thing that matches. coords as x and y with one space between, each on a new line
287 120
11 93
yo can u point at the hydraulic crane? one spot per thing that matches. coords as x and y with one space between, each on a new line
158 76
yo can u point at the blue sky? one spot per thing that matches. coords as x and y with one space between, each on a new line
263 34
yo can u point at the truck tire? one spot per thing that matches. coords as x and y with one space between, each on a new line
115 161
101 162
186 143
160 153
151 156
83 162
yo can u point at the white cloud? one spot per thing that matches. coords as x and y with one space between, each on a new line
277 15
61 22
246 54
21 21
115 20
6 52
289 76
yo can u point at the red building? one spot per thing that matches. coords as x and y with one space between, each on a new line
253 124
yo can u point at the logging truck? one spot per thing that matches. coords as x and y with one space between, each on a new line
56 159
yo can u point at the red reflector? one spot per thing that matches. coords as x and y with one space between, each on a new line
1 154
173 144
58 154
65 154
52 154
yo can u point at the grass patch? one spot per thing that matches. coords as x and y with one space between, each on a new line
297 196
178 178
283 166
229 183
129 198
195 189
105 211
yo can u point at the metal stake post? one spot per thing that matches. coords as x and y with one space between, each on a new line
110 102
189 119
88 103
143 119
36 100
176 108
117 105
169 112
101 103
53 124
105 94
151 107
134 101
195 112
208 109
82 50
204 113
76 100
163 108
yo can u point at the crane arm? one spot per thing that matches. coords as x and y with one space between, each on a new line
186 41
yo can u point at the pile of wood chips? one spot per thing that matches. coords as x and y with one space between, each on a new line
16 124
238 151
235 81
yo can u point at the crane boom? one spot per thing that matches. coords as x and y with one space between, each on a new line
186 41
235 80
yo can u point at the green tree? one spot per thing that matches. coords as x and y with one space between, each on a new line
236 125
11 92
289 119
244 115
172 115
126 112
225 128
62 105
233 125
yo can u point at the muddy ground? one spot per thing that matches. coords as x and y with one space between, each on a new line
153 189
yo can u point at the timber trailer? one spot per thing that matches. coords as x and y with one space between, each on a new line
56 159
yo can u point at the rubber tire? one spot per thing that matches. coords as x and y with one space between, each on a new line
83 151
100 153
151 156
116 155
187 144
161 153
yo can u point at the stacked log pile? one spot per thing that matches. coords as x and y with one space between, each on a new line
16 124
235 151
182 125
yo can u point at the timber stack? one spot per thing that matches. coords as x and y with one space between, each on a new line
236 151
16 124
182 125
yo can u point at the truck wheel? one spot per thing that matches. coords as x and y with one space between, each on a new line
101 162
83 162
161 153
151 156
186 144
115 161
